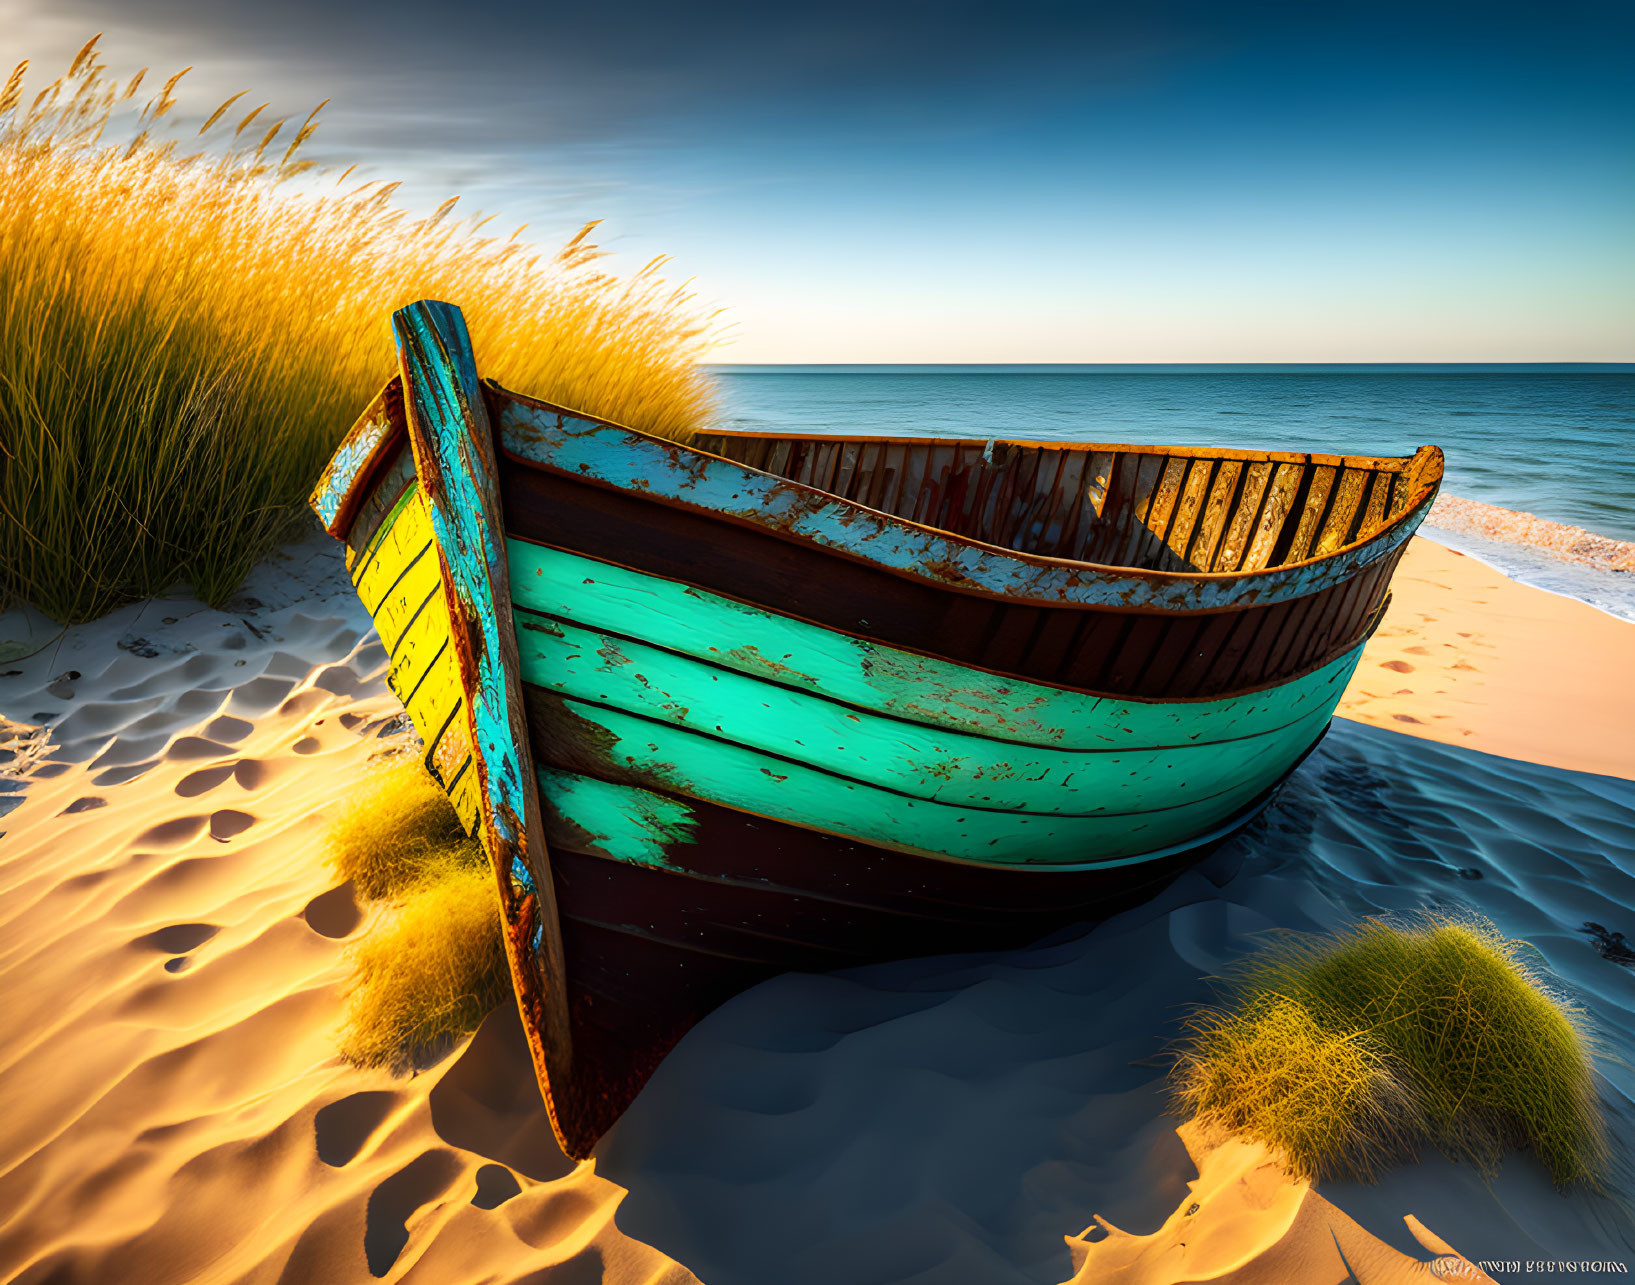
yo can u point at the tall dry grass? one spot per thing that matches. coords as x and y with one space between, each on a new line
186 332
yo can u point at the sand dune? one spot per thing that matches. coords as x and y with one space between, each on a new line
171 952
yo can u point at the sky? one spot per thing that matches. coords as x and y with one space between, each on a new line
960 182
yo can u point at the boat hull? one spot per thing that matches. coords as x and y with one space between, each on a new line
712 729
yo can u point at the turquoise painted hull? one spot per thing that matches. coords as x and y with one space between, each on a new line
658 686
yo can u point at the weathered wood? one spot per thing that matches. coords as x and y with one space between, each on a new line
1244 517
1342 512
454 460
345 481
1279 504
1217 512
1318 494
807 700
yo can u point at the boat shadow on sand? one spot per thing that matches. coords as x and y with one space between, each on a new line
950 1119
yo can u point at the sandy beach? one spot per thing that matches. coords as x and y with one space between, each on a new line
1469 657
171 950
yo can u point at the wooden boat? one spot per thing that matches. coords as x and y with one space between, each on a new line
771 701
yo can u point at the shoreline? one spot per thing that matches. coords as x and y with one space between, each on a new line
1468 656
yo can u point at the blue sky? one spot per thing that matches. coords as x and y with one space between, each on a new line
964 182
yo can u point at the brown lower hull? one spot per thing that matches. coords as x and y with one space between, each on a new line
654 950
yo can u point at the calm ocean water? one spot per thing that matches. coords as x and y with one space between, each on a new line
1558 441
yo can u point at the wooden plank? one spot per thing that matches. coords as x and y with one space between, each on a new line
1217 511
369 523
1170 654
1342 513
347 479
1135 653
1062 517
1280 499
912 759
632 750
407 598
1312 515
1251 670
1131 549
1373 518
403 537
1228 658
1164 502
1187 512
847 471
916 486
1291 640
1201 655
454 459
1010 641
1400 491
1244 517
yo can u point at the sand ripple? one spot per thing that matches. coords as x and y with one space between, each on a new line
170 953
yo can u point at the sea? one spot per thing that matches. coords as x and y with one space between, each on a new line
1557 441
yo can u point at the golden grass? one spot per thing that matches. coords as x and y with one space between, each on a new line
1344 1052
432 964
396 824
185 335
429 971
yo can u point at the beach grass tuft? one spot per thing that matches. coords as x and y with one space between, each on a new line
429 970
188 327
397 823
431 965
1347 1051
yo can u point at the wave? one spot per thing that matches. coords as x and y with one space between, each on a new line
1561 559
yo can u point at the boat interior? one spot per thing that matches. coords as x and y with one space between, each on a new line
1150 507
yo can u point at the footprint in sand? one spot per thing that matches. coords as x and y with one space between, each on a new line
228 728
197 747
1416 651
335 913
229 823
172 833
89 803
1406 718
495 1185
178 939
344 1125
1399 666
392 1203
204 780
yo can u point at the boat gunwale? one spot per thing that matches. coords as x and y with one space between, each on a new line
1424 457
1388 463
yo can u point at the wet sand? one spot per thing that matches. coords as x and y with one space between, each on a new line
171 953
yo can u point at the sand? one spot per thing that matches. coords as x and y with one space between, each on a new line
171 957
1469 657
